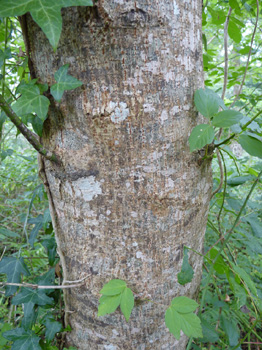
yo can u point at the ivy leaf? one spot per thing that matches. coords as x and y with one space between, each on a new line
64 82
30 315
46 13
251 145
206 103
234 32
113 287
127 303
50 246
31 101
108 304
35 296
13 268
23 339
186 274
37 125
35 230
226 118
200 136
52 327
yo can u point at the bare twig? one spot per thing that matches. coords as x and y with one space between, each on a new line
226 53
221 174
3 253
74 284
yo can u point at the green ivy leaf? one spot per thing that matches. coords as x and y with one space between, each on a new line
201 135
46 13
31 102
113 287
23 339
64 82
226 118
206 103
234 32
35 230
184 304
127 303
186 274
179 316
35 296
108 304
30 315
50 246
251 145
37 125
13 268
52 327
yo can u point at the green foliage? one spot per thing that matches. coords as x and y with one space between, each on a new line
116 293
64 82
201 135
179 316
46 13
231 285
23 339
13 268
31 101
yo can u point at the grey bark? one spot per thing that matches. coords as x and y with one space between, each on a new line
129 195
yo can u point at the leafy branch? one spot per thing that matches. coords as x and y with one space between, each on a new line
28 134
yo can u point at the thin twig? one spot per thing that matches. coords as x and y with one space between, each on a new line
37 286
3 253
248 59
224 194
226 53
221 174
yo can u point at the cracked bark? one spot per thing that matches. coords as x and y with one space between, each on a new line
129 194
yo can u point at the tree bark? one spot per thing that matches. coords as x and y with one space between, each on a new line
129 194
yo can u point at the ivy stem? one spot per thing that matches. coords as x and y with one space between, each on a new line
28 134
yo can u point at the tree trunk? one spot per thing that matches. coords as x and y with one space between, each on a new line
129 195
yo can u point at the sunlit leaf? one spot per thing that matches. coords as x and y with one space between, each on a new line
226 118
201 136
108 304
113 287
127 302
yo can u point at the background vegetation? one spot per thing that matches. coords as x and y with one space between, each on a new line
231 290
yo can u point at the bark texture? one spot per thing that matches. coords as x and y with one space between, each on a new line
129 194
